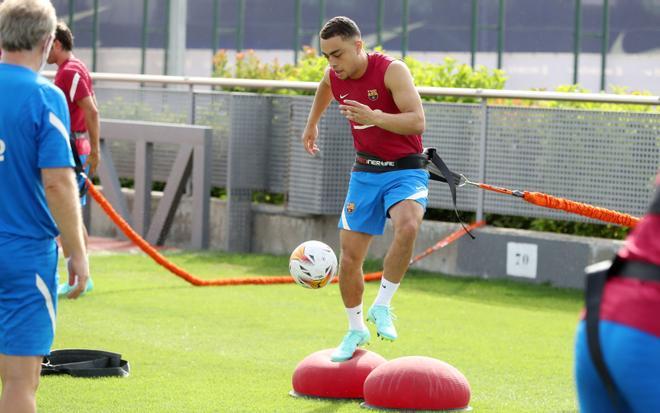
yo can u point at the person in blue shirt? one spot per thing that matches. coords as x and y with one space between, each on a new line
38 200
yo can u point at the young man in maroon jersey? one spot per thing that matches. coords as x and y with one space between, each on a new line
377 95
73 79
617 358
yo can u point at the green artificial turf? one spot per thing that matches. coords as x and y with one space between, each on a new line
234 349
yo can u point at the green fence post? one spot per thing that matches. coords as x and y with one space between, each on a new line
404 28
577 40
296 33
379 22
240 30
166 41
474 33
95 33
216 24
72 11
605 42
321 21
145 34
500 34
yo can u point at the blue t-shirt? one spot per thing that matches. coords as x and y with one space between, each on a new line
34 134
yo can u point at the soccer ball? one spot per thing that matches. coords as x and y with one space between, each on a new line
313 264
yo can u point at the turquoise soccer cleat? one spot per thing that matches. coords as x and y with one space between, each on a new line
351 341
65 288
382 317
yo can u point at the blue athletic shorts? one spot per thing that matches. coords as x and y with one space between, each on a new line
633 359
28 296
371 195
81 180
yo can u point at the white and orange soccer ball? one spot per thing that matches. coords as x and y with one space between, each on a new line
313 264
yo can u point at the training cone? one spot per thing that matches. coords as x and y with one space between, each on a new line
417 383
318 376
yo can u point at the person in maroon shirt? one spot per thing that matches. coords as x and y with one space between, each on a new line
74 80
389 180
625 377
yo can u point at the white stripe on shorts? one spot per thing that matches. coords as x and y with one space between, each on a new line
420 194
43 289
344 221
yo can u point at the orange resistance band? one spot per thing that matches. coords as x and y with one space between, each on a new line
586 210
579 208
179 272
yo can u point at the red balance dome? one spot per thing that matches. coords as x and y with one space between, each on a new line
318 376
419 383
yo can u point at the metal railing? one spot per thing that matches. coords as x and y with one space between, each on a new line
192 81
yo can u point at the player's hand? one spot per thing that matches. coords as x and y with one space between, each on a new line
309 139
92 162
359 113
78 268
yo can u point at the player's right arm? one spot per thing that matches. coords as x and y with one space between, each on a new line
322 100
62 197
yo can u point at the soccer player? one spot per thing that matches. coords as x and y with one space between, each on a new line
629 328
73 78
377 95
38 198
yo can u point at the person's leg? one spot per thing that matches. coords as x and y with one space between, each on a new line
634 357
20 380
354 247
405 200
406 218
591 392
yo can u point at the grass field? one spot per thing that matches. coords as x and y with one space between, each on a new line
234 349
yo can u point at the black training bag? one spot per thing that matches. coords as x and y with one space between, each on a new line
85 363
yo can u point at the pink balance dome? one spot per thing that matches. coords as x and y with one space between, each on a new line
318 376
417 383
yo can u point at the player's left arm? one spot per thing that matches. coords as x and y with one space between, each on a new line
410 121
93 126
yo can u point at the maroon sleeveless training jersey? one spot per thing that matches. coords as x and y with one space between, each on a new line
370 90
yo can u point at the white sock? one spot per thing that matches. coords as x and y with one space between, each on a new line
355 319
386 292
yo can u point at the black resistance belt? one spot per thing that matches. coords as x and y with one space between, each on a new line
85 363
438 170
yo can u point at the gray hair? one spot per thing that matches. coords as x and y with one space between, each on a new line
25 23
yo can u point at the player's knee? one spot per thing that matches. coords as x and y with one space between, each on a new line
349 262
407 228
23 382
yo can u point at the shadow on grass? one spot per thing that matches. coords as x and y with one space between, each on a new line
498 292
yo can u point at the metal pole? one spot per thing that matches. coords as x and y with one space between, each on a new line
500 34
239 25
482 157
166 41
216 25
577 40
72 7
321 20
474 33
379 23
145 34
95 33
297 12
605 38
404 28
177 42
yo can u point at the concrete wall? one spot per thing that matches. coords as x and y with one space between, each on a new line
528 256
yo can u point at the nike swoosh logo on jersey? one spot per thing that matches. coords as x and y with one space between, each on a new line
363 126
343 96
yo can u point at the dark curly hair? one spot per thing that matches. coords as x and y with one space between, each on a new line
340 26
